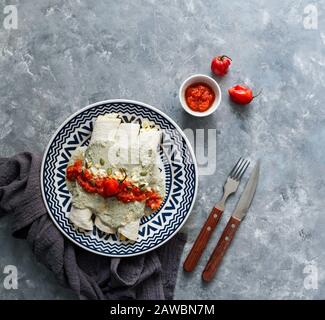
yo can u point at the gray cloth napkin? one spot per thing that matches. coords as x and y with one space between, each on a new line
148 276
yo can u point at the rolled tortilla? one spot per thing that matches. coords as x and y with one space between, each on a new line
81 218
130 230
149 141
103 227
119 214
125 151
102 140
105 128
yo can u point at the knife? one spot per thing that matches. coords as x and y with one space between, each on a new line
229 232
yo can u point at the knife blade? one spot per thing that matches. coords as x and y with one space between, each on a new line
248 194
229 232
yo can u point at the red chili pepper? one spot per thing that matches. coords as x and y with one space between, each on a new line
241 94
220 65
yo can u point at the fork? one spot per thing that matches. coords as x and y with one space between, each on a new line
230 187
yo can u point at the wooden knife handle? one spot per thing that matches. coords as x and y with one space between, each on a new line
220 250
202 239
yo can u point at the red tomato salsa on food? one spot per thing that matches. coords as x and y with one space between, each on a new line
124 190
199 97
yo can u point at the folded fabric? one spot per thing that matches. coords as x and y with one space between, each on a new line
147 276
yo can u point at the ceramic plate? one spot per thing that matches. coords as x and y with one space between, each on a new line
177 162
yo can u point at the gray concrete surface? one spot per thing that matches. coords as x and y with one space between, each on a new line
67 54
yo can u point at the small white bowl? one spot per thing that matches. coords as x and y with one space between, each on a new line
203 79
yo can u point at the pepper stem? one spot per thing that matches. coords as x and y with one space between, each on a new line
258 94
224 56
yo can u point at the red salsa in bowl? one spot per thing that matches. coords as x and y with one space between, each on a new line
199 96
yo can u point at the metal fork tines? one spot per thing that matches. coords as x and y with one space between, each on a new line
232 181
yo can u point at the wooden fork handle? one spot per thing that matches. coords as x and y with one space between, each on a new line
220 250
202 239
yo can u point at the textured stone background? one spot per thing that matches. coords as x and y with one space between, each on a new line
67 54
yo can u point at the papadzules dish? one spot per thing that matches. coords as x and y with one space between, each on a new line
116 180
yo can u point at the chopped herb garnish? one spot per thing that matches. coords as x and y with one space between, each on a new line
102 161
143 173
109 171
88 164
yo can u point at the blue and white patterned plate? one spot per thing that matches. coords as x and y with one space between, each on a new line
178 165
